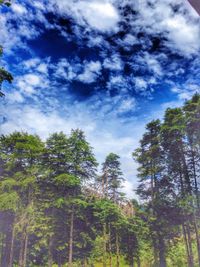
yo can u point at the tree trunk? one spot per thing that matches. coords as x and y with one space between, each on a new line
162 258
132 262
103 185
71 238
106 192
197 238
138 261
185 171
196 189
117 249
110 247
6 248
84 262
162 252
21 252
186 245
1 249
104 245
155 252
10 264
191 259
25 250
50 259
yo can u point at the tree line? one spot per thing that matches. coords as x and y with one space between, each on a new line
57 210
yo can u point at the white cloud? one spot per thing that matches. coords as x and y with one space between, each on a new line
91 71
130 39
127 105
116 80
128 188
140 84
102 16
99 15
183 33
180 28
113 63
119 83
32 79
15 97
153 64
30 63
39 5
187 91
43 68
20 9
28 83
14 35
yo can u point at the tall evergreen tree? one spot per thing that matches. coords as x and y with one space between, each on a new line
21 152
112 178
83 163
156 189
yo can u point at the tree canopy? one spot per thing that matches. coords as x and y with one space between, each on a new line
57 209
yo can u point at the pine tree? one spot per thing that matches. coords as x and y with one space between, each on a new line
112 178
156 189
20 152
83 163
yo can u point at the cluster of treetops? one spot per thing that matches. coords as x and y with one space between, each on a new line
57 210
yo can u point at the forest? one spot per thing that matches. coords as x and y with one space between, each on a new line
56 209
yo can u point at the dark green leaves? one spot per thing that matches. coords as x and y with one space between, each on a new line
67 180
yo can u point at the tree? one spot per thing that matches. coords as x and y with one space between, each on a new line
83 163
70 164
168 159
20 152
192 121
112 178
109 217
156 189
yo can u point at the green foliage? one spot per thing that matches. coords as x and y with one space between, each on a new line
8 184
9 201
177 254
5 2
112 179
55 210
67 180
169 170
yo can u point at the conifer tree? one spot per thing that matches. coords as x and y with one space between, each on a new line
112 178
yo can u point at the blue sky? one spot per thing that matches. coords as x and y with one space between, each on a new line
105 66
